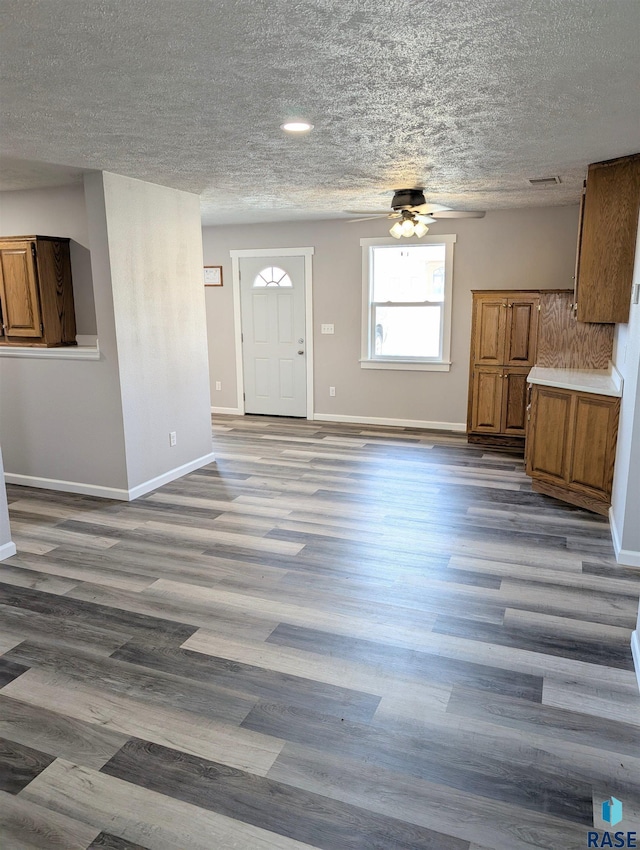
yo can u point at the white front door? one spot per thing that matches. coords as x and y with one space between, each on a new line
272 303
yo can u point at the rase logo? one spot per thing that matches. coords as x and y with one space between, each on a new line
612 814
612 811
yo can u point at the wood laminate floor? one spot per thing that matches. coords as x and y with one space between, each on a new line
336 636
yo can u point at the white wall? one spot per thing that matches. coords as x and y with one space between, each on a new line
625 502
62 420
7 547
533 248
155 256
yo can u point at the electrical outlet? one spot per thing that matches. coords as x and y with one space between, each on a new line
218 385
172 438
326 329
332 390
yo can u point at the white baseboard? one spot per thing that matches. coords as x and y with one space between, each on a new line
67 486
7 550
166 477
626 557
231 411
635 651
398 423
109 492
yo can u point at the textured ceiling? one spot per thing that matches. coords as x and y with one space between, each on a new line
468 98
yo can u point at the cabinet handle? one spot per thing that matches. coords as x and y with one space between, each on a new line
509 305
504 304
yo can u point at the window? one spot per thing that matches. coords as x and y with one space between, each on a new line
272 276
406 303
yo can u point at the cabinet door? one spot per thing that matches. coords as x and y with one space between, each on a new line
489 327
521 331
514 401
486 400
593 449
608 244
548 436
19 290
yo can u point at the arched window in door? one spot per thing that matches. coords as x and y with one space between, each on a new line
272 276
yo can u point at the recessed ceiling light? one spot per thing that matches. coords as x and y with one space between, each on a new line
544 181
296 127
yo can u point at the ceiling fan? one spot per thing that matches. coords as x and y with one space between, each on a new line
413 213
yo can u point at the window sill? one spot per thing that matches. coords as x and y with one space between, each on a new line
72 352
407 365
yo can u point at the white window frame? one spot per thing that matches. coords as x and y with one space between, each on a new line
368 360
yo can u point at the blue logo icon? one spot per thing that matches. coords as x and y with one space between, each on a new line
612 811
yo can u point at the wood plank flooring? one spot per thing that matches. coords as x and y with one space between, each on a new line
336 637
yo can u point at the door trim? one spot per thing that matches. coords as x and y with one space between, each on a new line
307 254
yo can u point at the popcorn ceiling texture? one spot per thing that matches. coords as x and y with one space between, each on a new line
468 98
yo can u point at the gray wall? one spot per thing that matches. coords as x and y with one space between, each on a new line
54 413
56 212
520 248
105 424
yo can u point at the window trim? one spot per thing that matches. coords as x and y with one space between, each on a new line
442 364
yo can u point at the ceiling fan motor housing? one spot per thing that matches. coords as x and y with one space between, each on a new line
406 198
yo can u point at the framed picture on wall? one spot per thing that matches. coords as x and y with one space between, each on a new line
213 275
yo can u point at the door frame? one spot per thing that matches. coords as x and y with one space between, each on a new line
307 254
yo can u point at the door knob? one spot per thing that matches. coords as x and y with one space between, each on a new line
300 352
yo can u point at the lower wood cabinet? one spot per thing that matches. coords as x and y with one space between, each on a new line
498 403
571 445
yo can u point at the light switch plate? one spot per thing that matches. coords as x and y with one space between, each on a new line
636 293
326 329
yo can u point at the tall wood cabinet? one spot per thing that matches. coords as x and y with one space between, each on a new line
571 445
503 350
36 292
607 240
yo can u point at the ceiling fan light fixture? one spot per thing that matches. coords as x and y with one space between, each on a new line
408 227
396 230
421 229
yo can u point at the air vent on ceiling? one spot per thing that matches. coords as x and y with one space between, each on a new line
544 181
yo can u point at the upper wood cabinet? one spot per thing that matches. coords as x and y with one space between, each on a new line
489 316
521 329
607 240
504 328
36 292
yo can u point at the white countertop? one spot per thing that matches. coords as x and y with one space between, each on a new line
597 381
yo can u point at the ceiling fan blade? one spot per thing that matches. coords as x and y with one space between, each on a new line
425 219
458 214
366 218
428 209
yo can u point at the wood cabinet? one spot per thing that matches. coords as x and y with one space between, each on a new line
36 292
503 350
607 240
571 445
